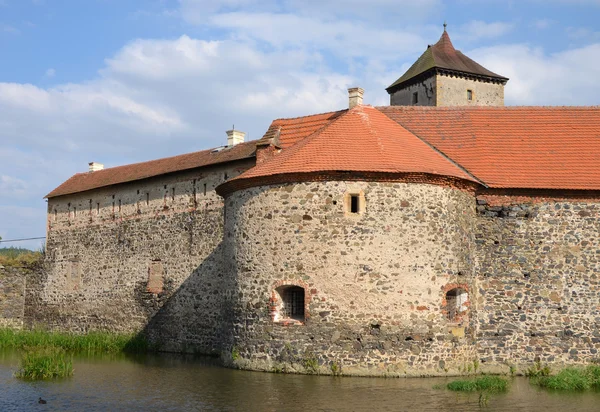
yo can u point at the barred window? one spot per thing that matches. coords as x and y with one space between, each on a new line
456 300
291 305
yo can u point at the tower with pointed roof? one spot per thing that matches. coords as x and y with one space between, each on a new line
443 76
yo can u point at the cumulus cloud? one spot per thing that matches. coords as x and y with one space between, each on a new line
477 29
537 78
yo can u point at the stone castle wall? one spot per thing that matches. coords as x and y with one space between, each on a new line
141 256
538 266
375 282
426 91
452 91
12 296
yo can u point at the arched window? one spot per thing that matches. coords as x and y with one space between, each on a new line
456 303
290 304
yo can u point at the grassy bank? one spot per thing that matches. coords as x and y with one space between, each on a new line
90 343
571 379
45 363
482 384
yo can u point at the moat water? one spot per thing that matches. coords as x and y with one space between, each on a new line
179 383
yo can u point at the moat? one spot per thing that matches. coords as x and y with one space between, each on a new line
174 382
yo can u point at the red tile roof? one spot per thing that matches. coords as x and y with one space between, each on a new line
443 55
81 182
291 131
359 140
513 147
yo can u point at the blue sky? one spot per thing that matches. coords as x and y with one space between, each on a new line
120 81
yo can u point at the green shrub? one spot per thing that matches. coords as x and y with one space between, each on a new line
18 257
45 363
572 379
537 370
485 383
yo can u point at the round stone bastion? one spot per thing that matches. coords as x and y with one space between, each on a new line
350 277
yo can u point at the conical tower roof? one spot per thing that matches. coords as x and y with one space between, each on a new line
443 56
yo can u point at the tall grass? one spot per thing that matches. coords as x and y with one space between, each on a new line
572 379
45 363
90 343
485 383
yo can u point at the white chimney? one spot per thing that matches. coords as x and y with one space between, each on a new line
235 137
94 166
356 96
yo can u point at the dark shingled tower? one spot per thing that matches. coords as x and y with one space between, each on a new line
443 76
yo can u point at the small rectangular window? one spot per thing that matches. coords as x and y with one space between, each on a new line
353 203
469 95
204 189
415 98
147 198
98 208
173 194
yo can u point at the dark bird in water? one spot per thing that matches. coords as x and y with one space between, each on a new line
42 401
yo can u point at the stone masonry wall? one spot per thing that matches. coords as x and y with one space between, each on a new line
12 296
426 91
452 91
375 282
539 282
141 256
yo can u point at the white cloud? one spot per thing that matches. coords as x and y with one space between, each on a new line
9 29
542 24
339 37
50 73
477 29
540 79
583 34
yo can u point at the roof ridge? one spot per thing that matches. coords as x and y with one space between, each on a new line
455 163
508 107
169 157
310 115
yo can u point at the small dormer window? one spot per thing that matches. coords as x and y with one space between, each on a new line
469 94
415 98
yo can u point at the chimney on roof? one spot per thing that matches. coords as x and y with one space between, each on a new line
234 137
355 95
95 166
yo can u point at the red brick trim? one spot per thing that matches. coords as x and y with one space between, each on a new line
448 287
506 197
274 300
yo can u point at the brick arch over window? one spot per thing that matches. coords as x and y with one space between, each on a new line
455 301
289 302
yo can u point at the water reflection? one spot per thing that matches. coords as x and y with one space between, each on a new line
173 383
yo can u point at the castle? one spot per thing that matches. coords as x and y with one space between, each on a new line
444 233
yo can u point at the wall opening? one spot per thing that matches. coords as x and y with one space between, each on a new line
353 203
415 98
469 94
289 305
456 303
156 274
